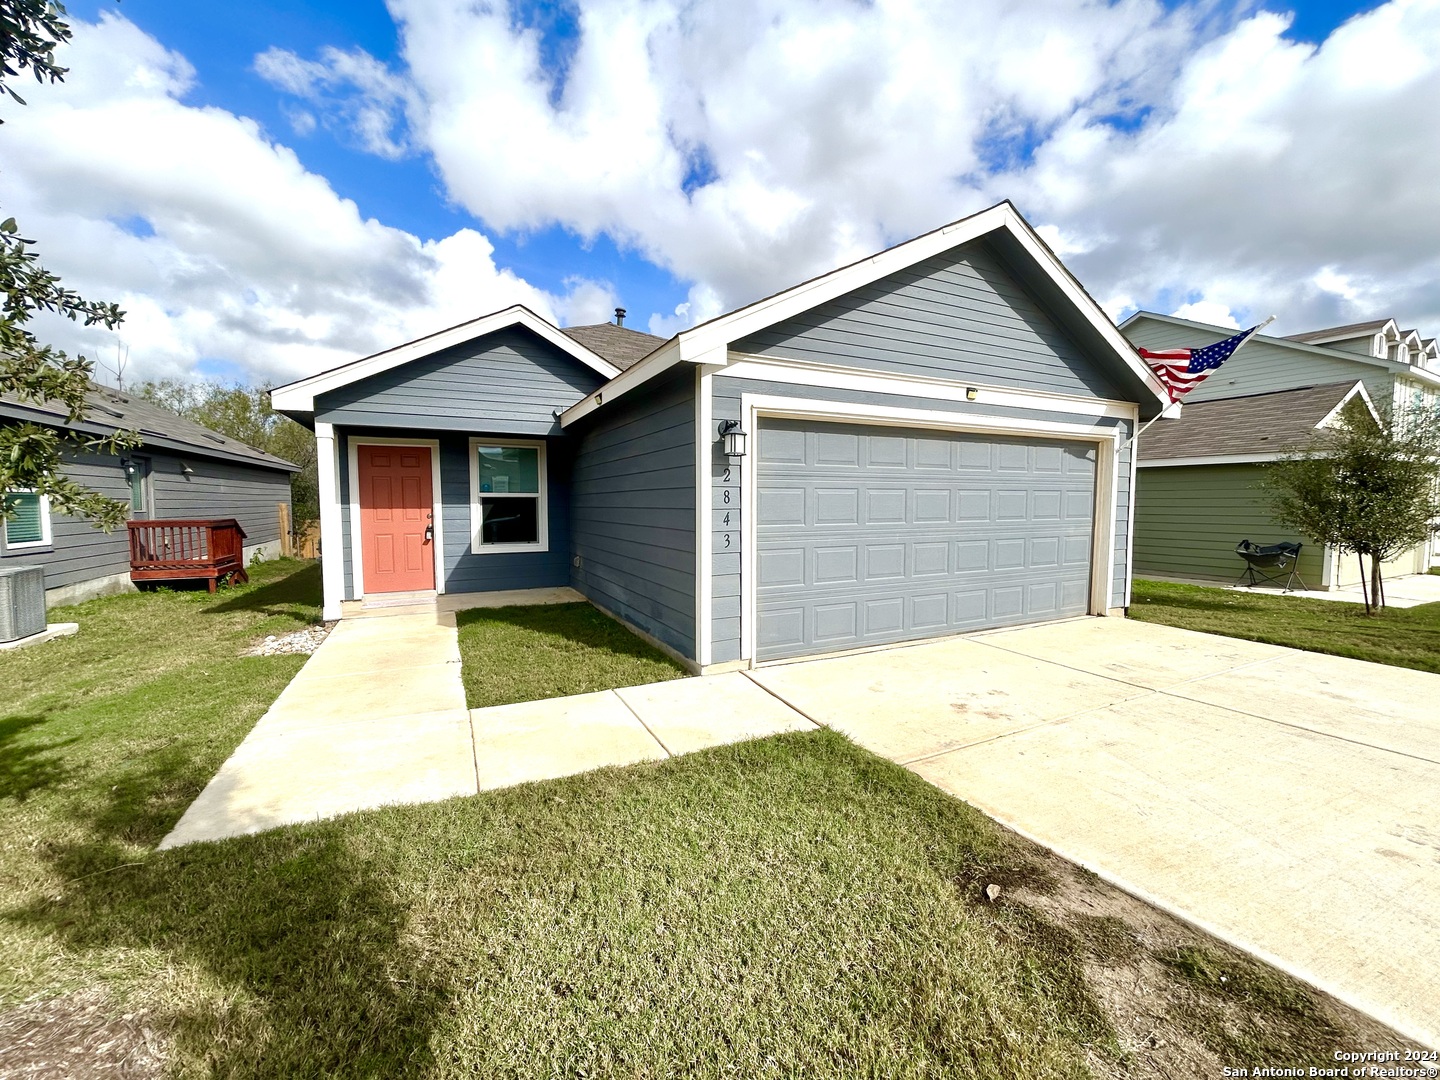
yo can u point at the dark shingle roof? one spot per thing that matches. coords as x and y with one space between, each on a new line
1339 332
1259 424
113 410
620 345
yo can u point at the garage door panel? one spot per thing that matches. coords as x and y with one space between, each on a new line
860 530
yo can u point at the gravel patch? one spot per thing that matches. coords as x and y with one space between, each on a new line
301 641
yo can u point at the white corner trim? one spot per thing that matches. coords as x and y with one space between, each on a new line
47 538
832 377
1217 459
332 529
704 585
1134 496
755 406
300 396
357 562
1358 388
542 509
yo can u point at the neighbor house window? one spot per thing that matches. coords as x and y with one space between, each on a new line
27 522
507 496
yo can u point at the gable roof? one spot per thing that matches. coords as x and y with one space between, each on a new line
1254 428
299 396
114 410
1341 333
620 345
707 343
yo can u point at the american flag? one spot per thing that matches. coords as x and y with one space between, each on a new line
1181 370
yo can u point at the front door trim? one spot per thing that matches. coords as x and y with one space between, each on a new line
755 406
357 564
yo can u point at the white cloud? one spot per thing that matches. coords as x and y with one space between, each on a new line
826 129
216 240
1242 162
357 92
1207 311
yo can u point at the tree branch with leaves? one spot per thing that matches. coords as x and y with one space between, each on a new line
32 454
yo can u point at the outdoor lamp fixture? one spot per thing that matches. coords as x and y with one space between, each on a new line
733 437
186 469
129 467
972 393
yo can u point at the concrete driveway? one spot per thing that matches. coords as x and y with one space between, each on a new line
1286 801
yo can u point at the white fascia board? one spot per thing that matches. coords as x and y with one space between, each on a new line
300 396
709 342
1219 459
718 333
1358 388
667 356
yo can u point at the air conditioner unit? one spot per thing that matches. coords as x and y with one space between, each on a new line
22 601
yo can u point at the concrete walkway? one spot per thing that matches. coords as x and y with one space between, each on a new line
1285 801
377 717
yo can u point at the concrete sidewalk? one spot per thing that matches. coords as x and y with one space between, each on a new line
377 717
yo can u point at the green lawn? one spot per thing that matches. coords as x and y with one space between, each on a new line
786 907
1404 637
528 653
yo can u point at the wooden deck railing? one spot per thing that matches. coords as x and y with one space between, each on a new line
189 549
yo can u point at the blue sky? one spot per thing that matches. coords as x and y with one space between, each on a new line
684 159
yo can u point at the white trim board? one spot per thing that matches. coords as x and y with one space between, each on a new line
542 509
332 527
831 377
1221 459
755 406
1358 388
357 564
708 343
300 396
704 519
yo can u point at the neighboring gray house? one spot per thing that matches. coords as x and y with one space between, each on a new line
181 470
1272 384
936 443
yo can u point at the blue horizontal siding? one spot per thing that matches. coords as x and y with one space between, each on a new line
958 315
511 381
633 501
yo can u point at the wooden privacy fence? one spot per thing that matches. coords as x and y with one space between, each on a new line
189 549
300 539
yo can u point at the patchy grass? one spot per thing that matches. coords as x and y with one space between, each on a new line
531 652
1403 637
789 906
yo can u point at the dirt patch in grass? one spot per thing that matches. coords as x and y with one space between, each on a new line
1180 1003
79 1036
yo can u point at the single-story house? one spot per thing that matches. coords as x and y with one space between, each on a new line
928 441
1397 368
181 470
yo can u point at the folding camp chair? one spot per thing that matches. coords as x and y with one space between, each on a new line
1270 562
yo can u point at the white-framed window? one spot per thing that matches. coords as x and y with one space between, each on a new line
508 496
27 522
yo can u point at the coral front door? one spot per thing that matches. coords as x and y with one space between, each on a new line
397 538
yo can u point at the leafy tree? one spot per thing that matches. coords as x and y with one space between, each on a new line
1366 488
32 455
244 413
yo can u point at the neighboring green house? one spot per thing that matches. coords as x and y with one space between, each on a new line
1196 476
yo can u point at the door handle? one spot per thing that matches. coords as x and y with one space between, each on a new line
429 533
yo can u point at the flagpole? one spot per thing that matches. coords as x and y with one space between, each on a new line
1161 414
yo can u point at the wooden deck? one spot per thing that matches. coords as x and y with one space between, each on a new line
187 550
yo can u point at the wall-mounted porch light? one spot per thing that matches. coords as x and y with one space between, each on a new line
186 469
733 437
